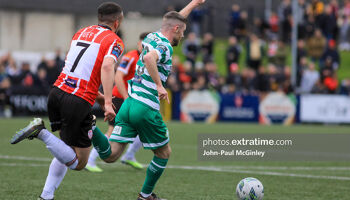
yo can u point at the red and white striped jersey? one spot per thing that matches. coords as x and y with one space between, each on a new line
81 75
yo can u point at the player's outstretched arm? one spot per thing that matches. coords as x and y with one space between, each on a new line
192 5
150 60
107 77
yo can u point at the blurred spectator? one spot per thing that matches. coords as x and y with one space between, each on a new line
274 25
233 52
316 45
25 78
191 47
345 87
255 52
211 75
284 14
328 23
242 25
185 76
59 61
344 22
42 82
196 18
302 65
278 54
319 88
317 9
260 27
4 85
199 83
301 19
207 47
234 79
309 78
248 78
331 55
52 68
301 51
272 47
310 26
274 77
327 71
331 83
235 17
262 80
287 87
10 65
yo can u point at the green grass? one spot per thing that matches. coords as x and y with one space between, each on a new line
23 179
220 52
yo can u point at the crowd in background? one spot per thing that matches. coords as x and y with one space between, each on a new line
324 30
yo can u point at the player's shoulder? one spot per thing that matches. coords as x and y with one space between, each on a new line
132 53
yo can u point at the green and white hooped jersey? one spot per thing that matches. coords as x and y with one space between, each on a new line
142 86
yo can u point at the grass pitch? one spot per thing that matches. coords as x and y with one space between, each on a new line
24 167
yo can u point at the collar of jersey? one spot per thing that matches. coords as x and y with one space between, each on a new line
160 34
105 26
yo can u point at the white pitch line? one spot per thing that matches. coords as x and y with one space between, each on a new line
6 157
344 178
227 169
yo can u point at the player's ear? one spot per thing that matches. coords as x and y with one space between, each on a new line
176 28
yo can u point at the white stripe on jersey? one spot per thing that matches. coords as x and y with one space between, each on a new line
161 75
150 103
140 89
81 34
76 89
149 84
110 50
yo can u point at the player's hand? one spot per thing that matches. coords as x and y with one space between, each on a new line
162 93
109 112
198 2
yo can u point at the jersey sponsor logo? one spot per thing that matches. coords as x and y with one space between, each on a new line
71 83
90 134
117 50
117 130
161 48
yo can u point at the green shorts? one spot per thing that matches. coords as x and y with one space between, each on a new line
136 118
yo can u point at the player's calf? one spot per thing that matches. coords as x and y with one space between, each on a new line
117 151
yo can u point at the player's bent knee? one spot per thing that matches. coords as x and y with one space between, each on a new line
82 156
163 152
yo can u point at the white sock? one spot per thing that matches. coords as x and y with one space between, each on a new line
132 149
92 158
64 153
57 171
145 195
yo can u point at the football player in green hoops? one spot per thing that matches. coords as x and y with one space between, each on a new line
139 114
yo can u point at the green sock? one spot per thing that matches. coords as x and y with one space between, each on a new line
101 144
154 171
